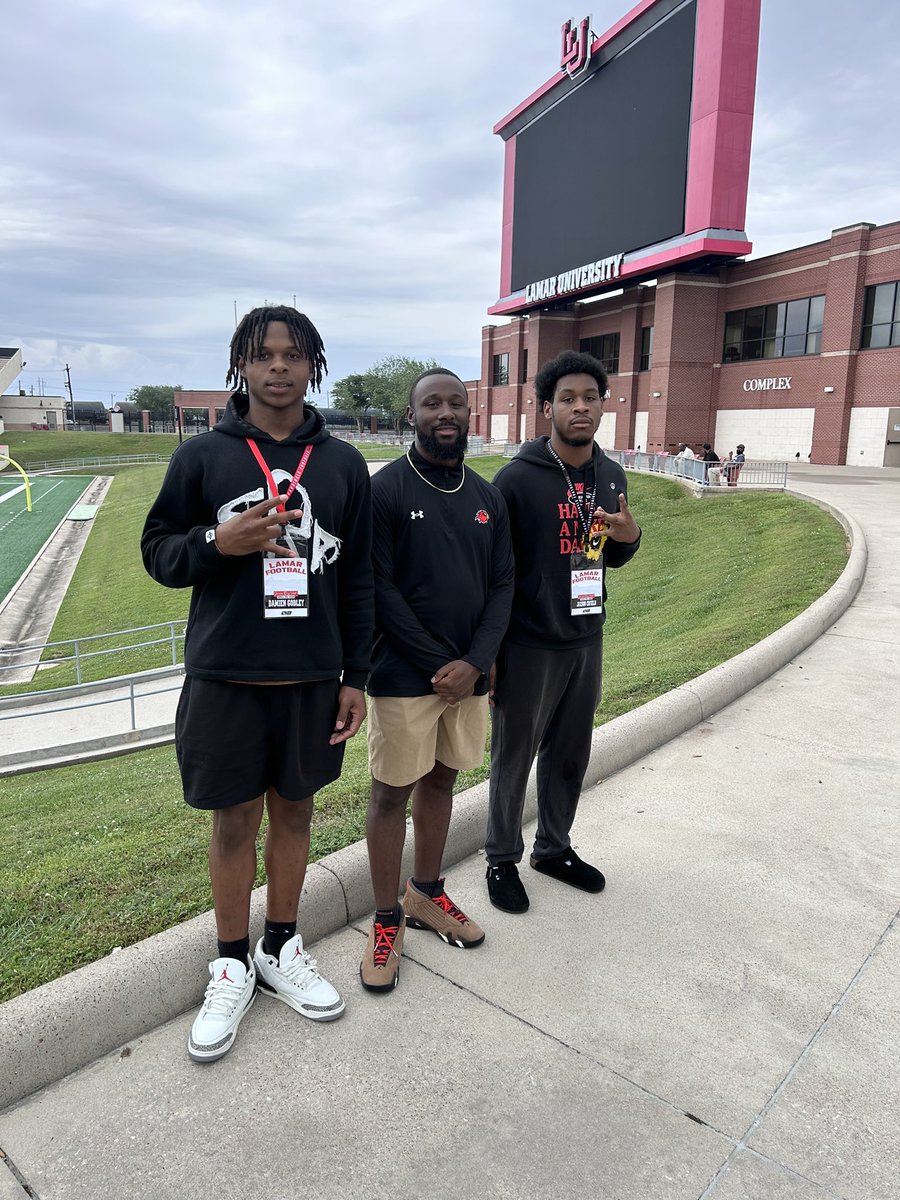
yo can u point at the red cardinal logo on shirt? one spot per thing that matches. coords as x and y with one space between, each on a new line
481 517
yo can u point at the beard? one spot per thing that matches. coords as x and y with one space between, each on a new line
580 439
449 451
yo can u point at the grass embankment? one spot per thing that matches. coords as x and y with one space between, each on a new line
56 445
107 853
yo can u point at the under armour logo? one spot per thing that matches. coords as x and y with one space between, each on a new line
413 515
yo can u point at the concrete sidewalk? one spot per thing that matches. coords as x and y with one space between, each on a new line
721 1022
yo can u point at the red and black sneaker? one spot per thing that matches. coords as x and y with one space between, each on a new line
441 916
379 970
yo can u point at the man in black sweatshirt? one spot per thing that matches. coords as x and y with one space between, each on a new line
570 521
443 589
268 519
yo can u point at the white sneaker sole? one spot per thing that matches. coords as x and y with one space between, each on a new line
199 1055
312 1012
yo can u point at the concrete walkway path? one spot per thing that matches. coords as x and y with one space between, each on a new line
722 1022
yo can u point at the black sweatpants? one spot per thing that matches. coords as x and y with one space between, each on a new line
544 704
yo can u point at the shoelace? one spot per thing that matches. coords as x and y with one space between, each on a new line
443 901
222 996
385 936
301 970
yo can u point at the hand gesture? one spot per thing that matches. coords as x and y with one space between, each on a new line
620 526
255 530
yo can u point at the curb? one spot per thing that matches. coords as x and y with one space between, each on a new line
54 1030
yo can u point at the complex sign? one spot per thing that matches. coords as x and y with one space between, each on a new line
779 383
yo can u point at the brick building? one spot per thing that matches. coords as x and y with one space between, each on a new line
796 353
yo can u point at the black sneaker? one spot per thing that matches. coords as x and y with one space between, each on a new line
505 887
569 868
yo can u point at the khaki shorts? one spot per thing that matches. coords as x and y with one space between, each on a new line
409 734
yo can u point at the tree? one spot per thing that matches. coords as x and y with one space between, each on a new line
353 395
389 382
159 398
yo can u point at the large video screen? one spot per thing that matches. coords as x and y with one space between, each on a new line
604 170
634 157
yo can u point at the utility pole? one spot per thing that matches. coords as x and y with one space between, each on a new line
71 397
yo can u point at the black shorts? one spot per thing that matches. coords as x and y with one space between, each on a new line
236 740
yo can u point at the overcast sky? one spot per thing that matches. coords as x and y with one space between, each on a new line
164 159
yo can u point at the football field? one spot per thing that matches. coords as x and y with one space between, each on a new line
22 533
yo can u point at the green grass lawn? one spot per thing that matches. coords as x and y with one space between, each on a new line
107 853
57 445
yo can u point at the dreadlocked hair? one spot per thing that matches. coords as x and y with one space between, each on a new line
250 335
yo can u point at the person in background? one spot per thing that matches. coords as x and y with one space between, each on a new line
713 471
733 468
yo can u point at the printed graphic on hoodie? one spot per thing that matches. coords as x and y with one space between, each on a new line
324 547
570 539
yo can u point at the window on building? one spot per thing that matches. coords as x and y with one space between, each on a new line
646 348
500 371
881 316
774 330
606 348
524 366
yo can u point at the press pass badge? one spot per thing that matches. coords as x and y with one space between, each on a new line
587 587
285 586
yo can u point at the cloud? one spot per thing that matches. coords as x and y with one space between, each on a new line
182 156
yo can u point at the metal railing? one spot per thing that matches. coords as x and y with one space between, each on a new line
754 472
23 655
130 690
78 464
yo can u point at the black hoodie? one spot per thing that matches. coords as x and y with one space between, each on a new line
213 477
544 525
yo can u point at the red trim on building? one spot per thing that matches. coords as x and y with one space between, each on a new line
722 103
690 391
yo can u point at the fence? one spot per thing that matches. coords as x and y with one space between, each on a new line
88 720
753 473
84 649
79 464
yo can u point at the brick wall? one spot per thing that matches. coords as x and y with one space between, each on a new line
687 312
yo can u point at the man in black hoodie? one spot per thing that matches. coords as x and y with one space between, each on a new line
268 519
570 521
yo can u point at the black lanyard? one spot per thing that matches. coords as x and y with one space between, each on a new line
584 505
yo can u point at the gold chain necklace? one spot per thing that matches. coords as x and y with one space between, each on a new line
445 491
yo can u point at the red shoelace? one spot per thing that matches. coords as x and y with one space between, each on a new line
385 936
443 901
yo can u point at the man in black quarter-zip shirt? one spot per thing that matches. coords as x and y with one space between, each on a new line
570 521
443 589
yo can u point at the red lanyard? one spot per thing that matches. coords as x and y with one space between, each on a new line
273 486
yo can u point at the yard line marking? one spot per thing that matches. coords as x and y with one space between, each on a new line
12 492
